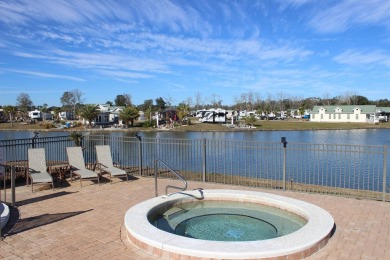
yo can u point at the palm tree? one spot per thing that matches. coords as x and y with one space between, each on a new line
76 137
183 110
89 112
250 120
129 114
11 111
57 111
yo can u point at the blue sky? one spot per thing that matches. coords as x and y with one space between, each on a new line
180 49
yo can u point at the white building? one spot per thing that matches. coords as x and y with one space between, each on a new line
350 114
108 114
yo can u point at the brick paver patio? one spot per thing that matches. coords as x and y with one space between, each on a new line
87 223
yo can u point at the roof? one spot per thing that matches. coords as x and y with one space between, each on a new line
383 109
106 108
347 109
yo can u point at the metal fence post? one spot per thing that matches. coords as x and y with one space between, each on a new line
204 161
155 178
33 139
5 186
284 142
139 153
384 172
13 176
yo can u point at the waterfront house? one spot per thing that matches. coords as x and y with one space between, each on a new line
349 113
108 114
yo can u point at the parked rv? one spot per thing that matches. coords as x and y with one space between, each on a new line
35 115
201 113
66 116
214 116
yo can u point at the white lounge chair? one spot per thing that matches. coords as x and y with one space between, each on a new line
105 164
37 169
77 165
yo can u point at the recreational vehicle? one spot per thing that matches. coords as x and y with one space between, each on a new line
201 113
214 116
35 115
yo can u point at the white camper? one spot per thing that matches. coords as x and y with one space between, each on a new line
35 115
214 116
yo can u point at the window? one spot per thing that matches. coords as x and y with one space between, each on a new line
357 116
348 117
339 116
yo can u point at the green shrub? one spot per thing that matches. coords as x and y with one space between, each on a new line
148 124
48 125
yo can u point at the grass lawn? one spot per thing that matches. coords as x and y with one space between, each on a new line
261 125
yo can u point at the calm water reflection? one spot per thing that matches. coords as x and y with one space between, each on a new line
358 136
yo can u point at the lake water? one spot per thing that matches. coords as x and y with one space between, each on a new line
356 136
337 158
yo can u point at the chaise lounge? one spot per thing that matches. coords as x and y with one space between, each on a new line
77 165
37 169
105 164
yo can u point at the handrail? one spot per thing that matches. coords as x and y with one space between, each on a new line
12 177
168 186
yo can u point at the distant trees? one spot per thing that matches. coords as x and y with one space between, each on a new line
383 103
67 100
359 100
71 100
148 108
24 103
160 103
123 100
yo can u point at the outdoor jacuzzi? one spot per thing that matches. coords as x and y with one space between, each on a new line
152 225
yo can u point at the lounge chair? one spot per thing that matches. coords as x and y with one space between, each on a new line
37 169
105 164
77 165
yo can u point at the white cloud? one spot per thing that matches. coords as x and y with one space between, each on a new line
44 75
125 74
350 13
359 58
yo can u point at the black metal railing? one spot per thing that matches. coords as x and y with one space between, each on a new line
347 170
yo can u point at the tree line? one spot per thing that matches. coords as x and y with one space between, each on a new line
73 101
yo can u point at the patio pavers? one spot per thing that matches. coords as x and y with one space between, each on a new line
87 223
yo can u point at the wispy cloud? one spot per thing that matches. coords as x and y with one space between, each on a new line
349 13
360 58
229 46
44 75
125 74
29 91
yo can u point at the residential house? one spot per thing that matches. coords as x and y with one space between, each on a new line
350 114
167 116
108 114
